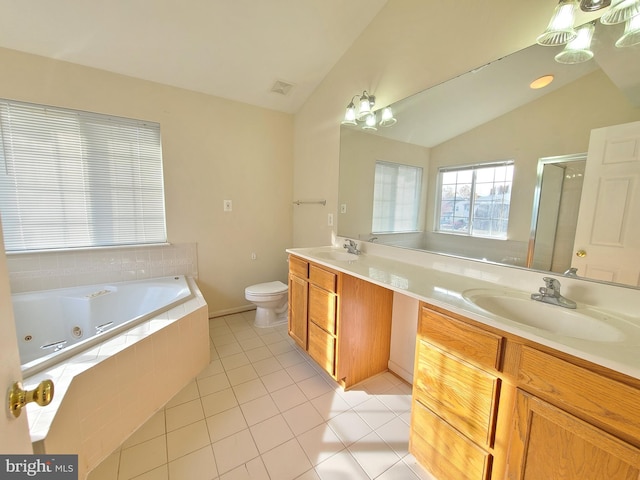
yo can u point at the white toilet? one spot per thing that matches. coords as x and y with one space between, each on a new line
271 301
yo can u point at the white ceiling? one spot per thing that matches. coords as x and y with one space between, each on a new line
235 49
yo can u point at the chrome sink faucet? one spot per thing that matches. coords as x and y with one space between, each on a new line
550 293
352 247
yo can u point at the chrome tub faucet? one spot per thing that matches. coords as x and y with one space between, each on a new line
550 293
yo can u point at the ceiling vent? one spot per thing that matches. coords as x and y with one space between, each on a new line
283 88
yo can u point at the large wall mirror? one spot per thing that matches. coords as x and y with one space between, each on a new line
561 209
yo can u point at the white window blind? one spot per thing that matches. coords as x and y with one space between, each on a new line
396 198
72 179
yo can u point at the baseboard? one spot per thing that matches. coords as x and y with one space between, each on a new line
231 311
401 372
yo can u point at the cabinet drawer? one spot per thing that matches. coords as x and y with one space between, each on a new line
322 348
444 451
298 267
472 343
322 308
323 278
611 404
460 393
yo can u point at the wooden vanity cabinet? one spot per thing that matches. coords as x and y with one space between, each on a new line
298 294
344 323
455 397
491 405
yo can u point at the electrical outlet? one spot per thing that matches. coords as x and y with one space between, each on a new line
343 208
228 206
330 219
253 255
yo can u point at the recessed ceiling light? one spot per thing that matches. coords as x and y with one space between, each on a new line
541 82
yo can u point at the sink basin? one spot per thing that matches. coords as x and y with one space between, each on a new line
339 255
583 323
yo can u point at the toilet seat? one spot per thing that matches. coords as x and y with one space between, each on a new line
267 289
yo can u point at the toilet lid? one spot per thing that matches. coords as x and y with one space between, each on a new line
267 288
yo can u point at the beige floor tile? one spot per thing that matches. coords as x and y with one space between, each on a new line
251 343
259 409
212 384
235 450
252 470
314 387
395 434
219 402
226 423
229 350
301 371
241 374
159 473
341 465
235 361
184 414
278 348
108 469
290 358
267 365
250 390
199 465
276 380
187 439
320 443
302 418
143 457
270 433
349 427
257 354
215 367
288 397
373 455
330 404
295 465
374 412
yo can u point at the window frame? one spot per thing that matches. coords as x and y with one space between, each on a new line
473 203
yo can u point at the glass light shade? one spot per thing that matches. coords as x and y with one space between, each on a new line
578 50
350 115
560 29
621 11
386 117
631 35
370 122
365 106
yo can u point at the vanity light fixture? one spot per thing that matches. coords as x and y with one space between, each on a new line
631 35
593 5
578 50
560 29
366 114
621 11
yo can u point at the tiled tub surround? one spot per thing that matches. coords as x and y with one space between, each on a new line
105 393
440 281
48 270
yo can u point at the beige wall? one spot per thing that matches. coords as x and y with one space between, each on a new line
411 45
213 149
359 152
558 124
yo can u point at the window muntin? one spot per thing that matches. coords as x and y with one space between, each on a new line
474 200
396 198
72 179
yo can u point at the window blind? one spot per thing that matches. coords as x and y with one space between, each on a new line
396 197
72 179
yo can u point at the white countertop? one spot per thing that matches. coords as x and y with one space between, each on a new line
442 283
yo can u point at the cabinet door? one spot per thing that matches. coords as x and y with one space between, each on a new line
298 310
322 348
548 443
322 308
444 451
458 392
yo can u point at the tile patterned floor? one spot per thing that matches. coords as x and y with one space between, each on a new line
263 410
